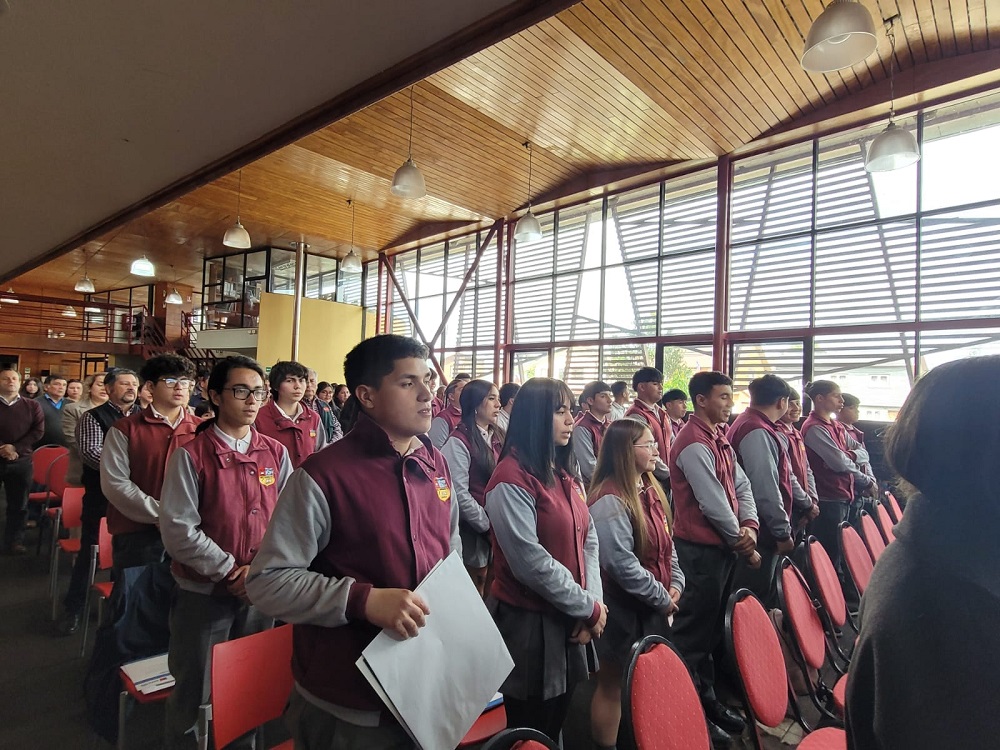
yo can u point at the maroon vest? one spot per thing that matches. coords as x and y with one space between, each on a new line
391 523
589 422
747 422
151 443
478 479
298 435
690 523
237 493
450 416
659 425
796 454
563 521
830 484
436 407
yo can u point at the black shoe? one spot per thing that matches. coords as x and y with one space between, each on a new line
69 624
724 717
719 736
15 549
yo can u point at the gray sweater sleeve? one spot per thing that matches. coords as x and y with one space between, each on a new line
744 496
512 514
583 449
180 522
117 484
759 454
280 582
822 444
677 580
438 432
617 554
592 562
698 465
469 509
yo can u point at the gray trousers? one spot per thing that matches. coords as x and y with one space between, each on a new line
313 728
197 623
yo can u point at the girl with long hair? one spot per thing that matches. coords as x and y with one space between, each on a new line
642 578
472 451
546 596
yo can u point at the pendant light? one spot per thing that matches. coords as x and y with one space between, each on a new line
8 299
236 236
351 263
68 312
894 147
85 285
143 267
842 36
528 229
408 182
174 298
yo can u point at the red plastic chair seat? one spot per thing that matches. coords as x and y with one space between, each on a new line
840 695
827 738
41 497
103 589
489 724
70 546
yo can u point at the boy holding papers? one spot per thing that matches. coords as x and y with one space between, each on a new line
358 526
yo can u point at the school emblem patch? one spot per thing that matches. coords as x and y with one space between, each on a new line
579 493
267 477
312 433
443 490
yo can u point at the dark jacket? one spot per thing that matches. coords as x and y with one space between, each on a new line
53 434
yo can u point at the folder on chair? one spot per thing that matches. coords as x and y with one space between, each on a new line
438 683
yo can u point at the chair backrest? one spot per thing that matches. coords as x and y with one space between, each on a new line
828 588
885 524
104 553
41 461
895 511
857 557
520 738
56 481
753 645
659 702
873 537
72 508
251 682
801 615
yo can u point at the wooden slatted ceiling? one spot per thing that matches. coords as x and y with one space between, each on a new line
603 85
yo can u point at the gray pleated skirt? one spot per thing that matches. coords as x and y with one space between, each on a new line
476 548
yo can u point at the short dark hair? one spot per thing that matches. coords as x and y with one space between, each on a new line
321 385
507 392
166 366
820 388
204 408
529 434
462 376
117 372
285 369
219 376
646 375
674 394
767 390
203 372
702 383
793 395
592 389
369 362
850 400
619 387
54 376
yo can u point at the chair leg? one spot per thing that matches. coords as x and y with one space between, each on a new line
86 605
122 707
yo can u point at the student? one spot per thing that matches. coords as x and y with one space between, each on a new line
715 521
285 419
674 403
218 495
21 425
449 417
619 390
641 576
848 417
437 405
472 452
833 457
508 392
765 461
806 505
591 425
647 382
923 673
546 597
356 529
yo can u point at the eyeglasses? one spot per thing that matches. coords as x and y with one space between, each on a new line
653 445
242 393
175 382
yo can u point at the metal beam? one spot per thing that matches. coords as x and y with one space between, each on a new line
384 261
722 251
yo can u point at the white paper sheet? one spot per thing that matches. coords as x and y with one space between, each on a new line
149 675
438 683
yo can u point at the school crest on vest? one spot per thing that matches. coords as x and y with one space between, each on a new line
267 477
443 490
312 433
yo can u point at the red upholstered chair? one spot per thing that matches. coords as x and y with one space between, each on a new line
41 461
753 646
856 556
825 585
894 510
489 724
807 637
520 739
660 706
55 485
100 559
872 536
885 525
67 516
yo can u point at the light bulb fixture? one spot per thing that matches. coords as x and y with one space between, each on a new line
351 262
528 229
174 298
143 267
85 285
842 36
236 236
408 182
68 312
894 147
8 299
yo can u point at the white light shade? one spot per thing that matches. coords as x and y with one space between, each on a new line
68 312
528 228
893 148
85 285
92 310
237 236
9 300
142 267
351 263
174 298
408 182
842 36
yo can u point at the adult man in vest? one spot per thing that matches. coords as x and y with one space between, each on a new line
354 532
591 425
647 382
21 424
715 520
122 387
285 419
